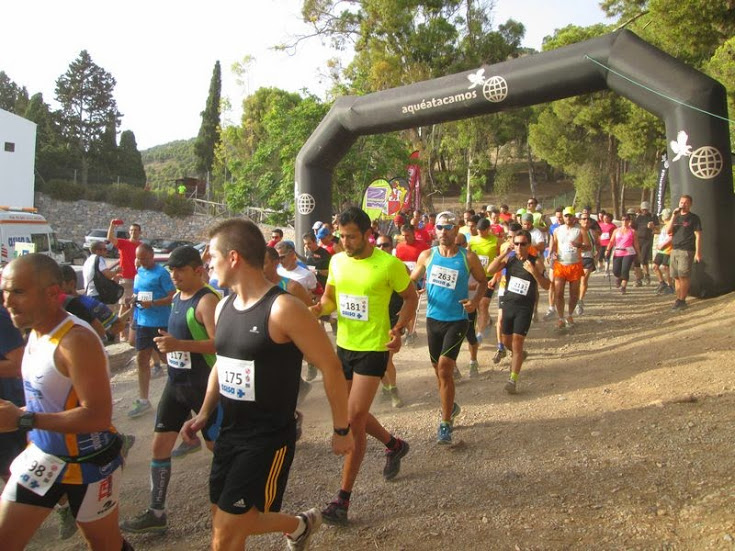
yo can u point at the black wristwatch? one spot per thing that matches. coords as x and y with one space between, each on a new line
342 432
26 421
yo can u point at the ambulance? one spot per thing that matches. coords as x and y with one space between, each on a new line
23 231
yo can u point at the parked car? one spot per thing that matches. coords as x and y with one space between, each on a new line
101 235
162 248
73 253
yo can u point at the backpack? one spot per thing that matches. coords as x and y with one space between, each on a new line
109 291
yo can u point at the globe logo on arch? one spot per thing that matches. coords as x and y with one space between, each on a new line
495 89
306 203
706 162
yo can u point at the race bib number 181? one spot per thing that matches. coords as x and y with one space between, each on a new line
354 307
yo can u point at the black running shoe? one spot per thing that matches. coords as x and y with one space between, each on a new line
393 460
336 511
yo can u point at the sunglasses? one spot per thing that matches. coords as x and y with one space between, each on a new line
568 215
584 218
448 227
520 243
385 245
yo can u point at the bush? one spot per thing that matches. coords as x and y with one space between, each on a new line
176 205
97 193
64 190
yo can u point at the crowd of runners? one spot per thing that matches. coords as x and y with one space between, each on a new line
231 327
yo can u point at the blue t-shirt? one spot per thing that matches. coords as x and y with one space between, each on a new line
10 338
153 284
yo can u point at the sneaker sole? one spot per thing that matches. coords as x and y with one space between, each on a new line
139 413
334 521
187 452
444 442
150 530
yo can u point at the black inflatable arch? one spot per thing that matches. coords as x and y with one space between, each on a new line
692 105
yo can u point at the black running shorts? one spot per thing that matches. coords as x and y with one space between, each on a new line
589 264
371 364
250 474
445 338
176 404
646 246
516 319
471 333
661 259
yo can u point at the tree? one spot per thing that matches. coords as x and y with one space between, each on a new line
129 160
208 136
13 98
88 107
52 155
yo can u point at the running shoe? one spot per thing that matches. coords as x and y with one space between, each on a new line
669 290
474 369
336 511
311 372
393 460
395 399
680 305
510 386
480 338
647 279
579 310
313 520
145 523
622 290
157 371
185 449
456 410
140 407
457 375
569 323
660 288
128 440
67 523
549 315
410 339
499 355
638 283
444 434
299 423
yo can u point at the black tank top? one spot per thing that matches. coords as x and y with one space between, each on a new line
259 390
520 286
183 313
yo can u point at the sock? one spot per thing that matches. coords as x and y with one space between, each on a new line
514 377
501 346
160 475
344 495
393 444
300 529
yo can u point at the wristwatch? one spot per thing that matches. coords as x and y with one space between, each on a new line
342 432
26 420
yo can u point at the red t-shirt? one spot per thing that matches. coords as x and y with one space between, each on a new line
422 235
127 257
497 229
410 253
505 216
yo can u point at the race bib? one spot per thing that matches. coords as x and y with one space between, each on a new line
236 378
518 286
145 296
443 277
605 235
354 307
484 260
179 360
568 253
410 265
36 470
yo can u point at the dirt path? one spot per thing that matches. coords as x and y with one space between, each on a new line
620 438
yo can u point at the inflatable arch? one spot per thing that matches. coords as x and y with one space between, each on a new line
692 105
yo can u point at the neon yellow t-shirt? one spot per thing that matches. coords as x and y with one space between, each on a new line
362 292
486 248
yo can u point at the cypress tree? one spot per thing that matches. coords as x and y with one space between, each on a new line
209 130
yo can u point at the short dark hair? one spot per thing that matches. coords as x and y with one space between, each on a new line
357 216
279 231
271 253
136 225
407 227
309 236
687 197
386 236
242 236
515 227
68 274
146 247
524 233
475 218
483 224
470 211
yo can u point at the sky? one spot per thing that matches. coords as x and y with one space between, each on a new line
162 53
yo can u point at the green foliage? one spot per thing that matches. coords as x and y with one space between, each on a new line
163 164
13 98
64 191
129 161
176 205
208 137
505 180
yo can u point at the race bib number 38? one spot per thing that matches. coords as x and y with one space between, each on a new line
36 470
443 277
354 307
236 378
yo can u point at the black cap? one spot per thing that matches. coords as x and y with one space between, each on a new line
483 224
184 256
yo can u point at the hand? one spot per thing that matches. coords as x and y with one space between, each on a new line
114 223
394 345
468 305
676 211
166 343
316 309
342 445
9 415
189 430
529 267
697 257
145 304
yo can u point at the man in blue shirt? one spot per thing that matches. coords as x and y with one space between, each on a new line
11 388
153 292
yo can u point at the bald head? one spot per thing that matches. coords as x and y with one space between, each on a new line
31 286
43 269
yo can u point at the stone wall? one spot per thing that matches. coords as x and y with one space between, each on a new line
72 220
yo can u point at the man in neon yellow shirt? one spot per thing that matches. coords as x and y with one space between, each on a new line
360 283
485 245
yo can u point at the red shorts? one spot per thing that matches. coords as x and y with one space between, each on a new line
568 272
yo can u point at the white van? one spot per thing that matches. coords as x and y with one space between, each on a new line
21 226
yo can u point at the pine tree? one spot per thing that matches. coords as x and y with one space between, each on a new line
209 130
130 161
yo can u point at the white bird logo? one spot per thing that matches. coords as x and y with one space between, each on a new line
680 146
476 79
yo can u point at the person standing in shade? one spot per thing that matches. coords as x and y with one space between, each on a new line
153 291
361 280
448 268
261 335
188 343
126 248
685 229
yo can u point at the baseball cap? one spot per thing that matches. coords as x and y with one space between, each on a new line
568 210
322 233
630 211
489 208
184 256
645 205
447 215
317 225
528 217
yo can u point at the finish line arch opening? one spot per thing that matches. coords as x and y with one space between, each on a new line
692 105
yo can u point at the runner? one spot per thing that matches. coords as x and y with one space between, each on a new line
360 283
447 268
74 451
289 267
606 230
507 246
261 336
588 259
523 272
566 243
12 346
486 246
685 227
644 226
624 247
188 344
557 220
663 254
408 252
153 291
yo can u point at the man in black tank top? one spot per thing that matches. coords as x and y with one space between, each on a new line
523 275
189 347
261 335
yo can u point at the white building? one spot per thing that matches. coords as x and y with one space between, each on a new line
17 160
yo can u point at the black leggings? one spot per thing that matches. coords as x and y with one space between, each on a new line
621 266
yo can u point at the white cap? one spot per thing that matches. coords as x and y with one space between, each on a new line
645 205
317 225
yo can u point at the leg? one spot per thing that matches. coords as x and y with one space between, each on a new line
517 362
361 396
483 315
585 283
573 297
103 534
444 374
559 296
18 523
143 360
682 289
230 532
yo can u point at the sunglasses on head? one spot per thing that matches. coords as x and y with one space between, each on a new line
520 243
448 227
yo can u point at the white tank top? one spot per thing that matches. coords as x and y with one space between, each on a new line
567 253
